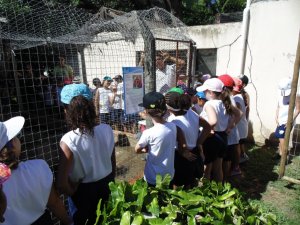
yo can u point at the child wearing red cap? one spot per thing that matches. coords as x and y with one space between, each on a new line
232 156
221 115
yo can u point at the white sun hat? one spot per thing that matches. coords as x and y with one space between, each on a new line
10 128
285 86
213 84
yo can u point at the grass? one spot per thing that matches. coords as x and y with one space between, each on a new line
261 185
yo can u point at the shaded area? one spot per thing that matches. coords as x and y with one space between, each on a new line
259 181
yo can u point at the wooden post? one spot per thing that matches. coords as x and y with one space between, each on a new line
291 111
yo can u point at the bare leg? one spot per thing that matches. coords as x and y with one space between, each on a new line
217 170
207 171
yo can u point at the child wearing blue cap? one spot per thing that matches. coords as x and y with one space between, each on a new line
87 162
201 99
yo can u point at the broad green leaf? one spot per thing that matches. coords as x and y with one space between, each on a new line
141 196
171 210
156 221
163 182
191 220
125 220
251 219
217 213
194 211
117 192
225 196
153 207
137 220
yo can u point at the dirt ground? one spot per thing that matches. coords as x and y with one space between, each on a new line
130 166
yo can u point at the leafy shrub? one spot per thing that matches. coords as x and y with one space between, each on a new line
211 203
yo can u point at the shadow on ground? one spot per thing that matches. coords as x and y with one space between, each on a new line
257 172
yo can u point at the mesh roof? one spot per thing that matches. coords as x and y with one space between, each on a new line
37 23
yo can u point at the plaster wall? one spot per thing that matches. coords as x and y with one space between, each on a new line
272 42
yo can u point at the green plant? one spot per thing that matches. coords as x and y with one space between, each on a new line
211 203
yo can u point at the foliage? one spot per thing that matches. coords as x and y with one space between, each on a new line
194 12
213 203
204 11
13 7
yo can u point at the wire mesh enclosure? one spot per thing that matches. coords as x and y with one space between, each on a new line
44 47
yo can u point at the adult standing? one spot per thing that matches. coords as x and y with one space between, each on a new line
64 71
165 70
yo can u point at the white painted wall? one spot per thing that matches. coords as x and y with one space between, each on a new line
273 36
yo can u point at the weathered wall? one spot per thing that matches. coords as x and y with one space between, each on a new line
273 36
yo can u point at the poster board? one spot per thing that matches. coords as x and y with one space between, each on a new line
133 78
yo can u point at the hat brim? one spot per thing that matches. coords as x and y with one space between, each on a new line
13 127
201 88
141 105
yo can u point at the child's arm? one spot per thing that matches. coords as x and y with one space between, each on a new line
206 131
234 119
57 207
96 102
181 148
142 145
63 184
139 149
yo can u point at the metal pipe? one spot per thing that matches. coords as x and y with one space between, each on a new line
244 35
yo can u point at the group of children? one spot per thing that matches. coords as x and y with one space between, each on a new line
109 104
195 136
179 143
87 165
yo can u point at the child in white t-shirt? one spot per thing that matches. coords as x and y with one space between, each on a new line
87 162
158 141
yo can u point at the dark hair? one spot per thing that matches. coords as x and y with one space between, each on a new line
225 97
8 157
158 113
244 80
80 113
178 101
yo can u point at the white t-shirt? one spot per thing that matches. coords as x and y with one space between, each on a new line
165 79
242 126
27 192
222 116
104 100
189 124
283 104
233 137
161 142
117 101
120 92
92 154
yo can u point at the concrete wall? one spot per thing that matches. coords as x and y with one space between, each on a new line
273 36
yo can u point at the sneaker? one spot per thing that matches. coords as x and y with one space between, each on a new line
236 171
244 158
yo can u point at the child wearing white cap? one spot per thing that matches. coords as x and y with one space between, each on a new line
217 111
284 86
29 191
87 162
